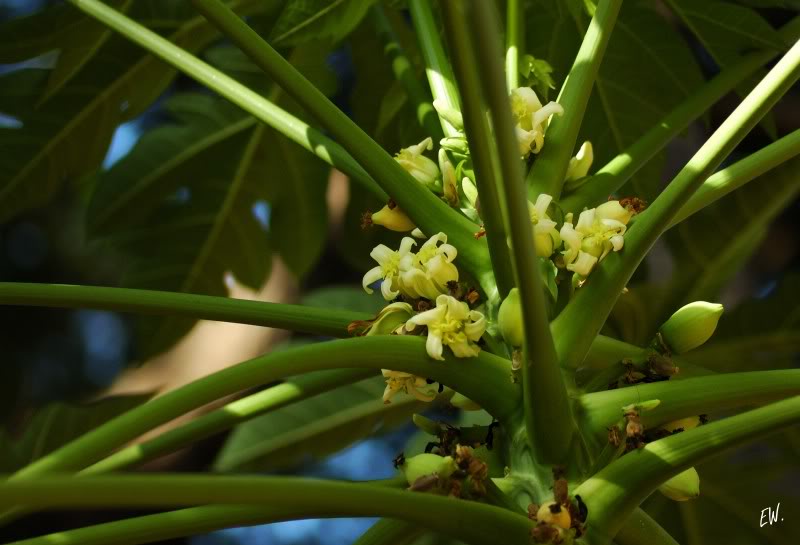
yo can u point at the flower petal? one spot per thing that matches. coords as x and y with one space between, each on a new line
434 345
372 276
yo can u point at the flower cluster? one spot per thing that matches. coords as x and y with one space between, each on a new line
451 323
531 118
599 230
424 274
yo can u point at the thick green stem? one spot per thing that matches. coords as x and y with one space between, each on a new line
614 492
550 168
292 498
428 212
228 416
390 532
481 146
483 379
641 529
515 41
251 102
583 317
404 72
621 168
606 351
687 397
318 321
546 406
437 67
735 176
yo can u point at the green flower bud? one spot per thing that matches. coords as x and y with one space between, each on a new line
425 464
449 114
683 486
510 319
391 318
691 326
393 219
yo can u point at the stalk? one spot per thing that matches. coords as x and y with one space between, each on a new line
615 491
546 407
437 67
515 41
306 319
550 168
641 529
583 317
404 73
482 150
621 168
279 498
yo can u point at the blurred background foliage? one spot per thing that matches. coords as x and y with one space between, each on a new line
116 170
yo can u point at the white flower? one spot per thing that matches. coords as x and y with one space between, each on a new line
398 381
388 268
426 273
532 119
599 231
580 164
415 163
545 235
451 323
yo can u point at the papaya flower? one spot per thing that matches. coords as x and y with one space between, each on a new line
580 164
531 119
388 268
545 234
452 324
599 231
423 169
427 273
399 381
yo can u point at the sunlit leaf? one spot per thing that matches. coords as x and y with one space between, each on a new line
307 20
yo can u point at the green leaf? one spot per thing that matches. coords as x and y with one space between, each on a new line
307 20
67 136
57 424
314 428
646 71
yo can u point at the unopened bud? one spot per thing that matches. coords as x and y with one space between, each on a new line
393 219
691 326
425 464
683 486
449 114
449 184
509 319
390 319
580 164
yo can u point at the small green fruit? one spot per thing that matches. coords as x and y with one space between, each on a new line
510 319
683 486
427 464
691 326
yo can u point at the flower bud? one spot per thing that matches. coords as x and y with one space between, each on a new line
580 164
449 114
509 318
393 219
390 319
427 464
554 513
691 326
449 183
683 486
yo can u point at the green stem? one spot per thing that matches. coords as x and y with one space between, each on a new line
318 321
228 416
614 492
621 168
481 146
735 176
641 529
290 498
550 168
606 351
390 532
687 397
404 73
427 211
483 379
251 102
583 317
515 41
437 67
546 406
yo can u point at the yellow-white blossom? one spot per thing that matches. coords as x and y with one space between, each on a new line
580 164
427 272
415 163
398 381
393 219
598 231
531 119
388 268
453 324
545 234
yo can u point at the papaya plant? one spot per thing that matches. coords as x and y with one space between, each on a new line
515 156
